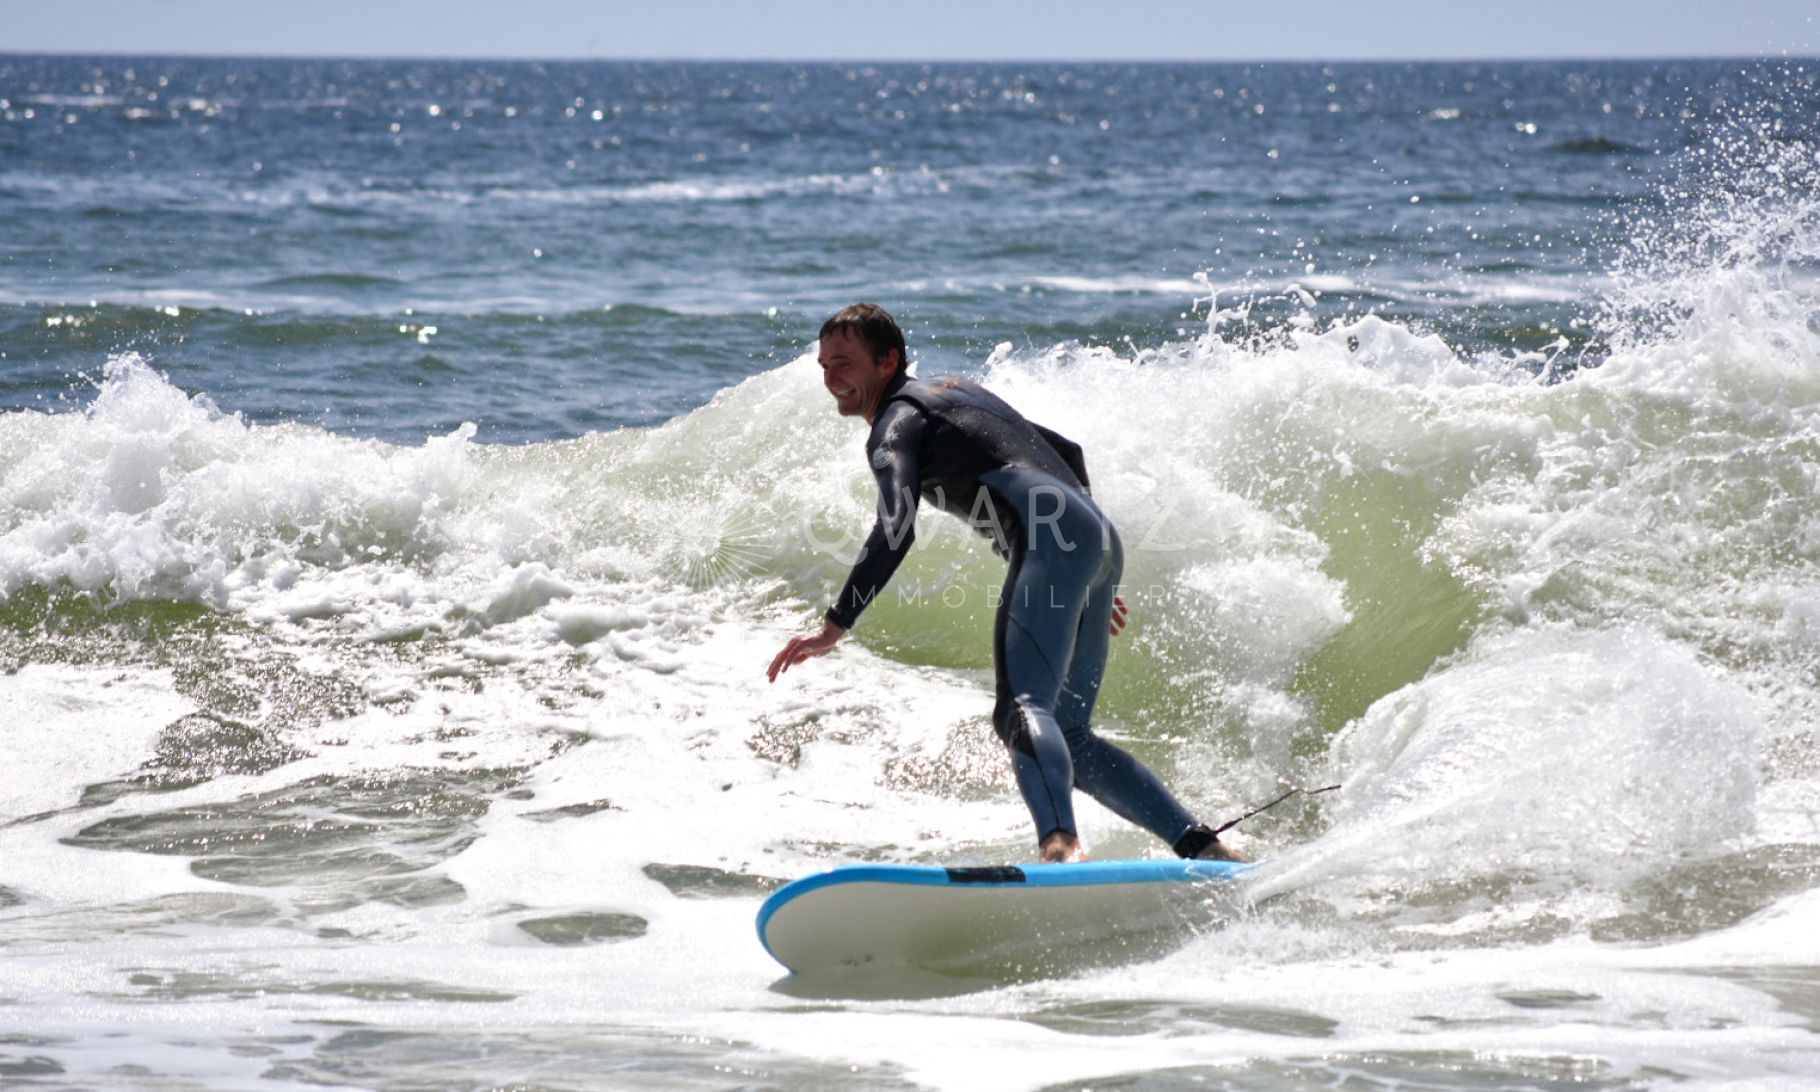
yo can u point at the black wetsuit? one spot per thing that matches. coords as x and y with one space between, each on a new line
967 452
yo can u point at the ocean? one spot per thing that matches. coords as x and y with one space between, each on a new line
408 470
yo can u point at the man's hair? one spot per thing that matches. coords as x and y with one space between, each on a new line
873 325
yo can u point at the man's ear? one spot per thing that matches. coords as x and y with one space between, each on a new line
899 354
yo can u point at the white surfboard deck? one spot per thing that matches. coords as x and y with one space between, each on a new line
953 919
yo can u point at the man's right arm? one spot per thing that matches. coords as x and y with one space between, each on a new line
898 441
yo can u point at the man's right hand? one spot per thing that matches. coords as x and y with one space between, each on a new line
805 647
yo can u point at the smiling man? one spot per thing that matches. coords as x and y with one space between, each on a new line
1025 488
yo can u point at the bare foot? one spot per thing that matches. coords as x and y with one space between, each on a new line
1220 851
1061 848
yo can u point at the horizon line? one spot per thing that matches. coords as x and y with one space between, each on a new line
781 60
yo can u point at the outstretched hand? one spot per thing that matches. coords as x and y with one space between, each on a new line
1118 614
805 647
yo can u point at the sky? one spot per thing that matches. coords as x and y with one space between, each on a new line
1335 30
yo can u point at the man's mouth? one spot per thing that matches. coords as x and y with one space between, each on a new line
841 393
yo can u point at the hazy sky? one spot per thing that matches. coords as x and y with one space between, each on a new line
920 29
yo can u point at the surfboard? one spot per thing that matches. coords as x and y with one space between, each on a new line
1034 916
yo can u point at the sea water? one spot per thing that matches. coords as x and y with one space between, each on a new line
408 469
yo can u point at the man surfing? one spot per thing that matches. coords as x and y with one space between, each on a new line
1025 488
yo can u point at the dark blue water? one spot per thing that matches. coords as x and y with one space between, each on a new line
392 248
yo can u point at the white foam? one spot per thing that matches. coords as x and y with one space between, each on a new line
76 726
70 727
1137 285
1594 754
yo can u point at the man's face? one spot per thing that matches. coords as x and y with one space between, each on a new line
853 375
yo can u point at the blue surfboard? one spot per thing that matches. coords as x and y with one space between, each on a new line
1009 916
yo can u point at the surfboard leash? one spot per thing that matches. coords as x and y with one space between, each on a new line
1295 790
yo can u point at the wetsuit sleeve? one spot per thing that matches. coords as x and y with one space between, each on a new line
1070 452
894 450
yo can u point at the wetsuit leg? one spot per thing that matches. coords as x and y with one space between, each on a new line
1034 634
1050 645
1033 642
1104 770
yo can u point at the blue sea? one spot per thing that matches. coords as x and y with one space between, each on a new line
409 468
